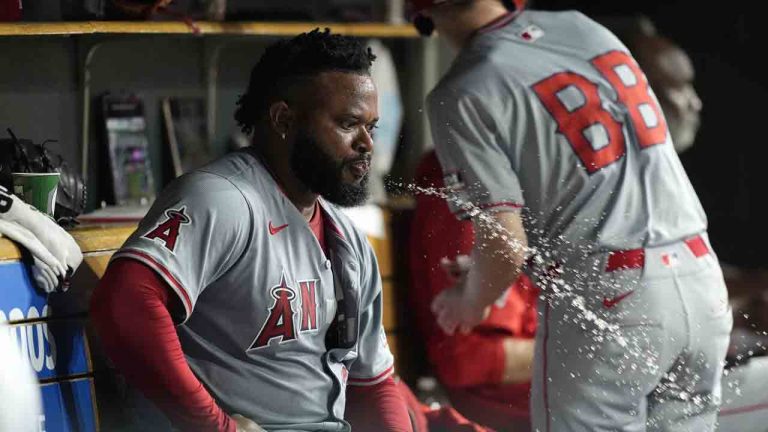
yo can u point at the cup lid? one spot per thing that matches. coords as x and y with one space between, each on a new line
35 174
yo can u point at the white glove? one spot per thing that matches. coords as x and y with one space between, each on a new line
45 278
24 237
53 237
47 271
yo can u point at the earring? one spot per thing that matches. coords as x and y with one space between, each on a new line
283 136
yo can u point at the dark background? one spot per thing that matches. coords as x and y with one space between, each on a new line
727 165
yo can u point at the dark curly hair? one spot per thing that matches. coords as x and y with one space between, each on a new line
289 62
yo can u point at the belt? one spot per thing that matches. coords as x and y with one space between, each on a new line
635 258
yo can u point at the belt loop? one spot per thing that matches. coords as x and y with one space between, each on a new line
626 259
697 246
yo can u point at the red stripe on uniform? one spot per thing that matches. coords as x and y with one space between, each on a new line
742 410
697 246
331 224
500 204
377 377
544 375
462 213
499 22
335 229
164 272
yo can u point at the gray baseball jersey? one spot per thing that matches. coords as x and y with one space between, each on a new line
549 112
260 295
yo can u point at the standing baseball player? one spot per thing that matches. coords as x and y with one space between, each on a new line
245 300
546 124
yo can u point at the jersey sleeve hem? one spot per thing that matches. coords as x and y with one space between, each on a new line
362 381
492 207
160 269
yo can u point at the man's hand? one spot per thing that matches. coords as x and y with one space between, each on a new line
456 269
450 309
245 424
453 309
497 257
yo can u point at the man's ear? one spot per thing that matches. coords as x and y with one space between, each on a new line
280 118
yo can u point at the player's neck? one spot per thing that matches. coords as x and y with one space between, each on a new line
302 198
460 29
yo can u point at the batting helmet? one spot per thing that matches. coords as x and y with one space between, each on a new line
425 26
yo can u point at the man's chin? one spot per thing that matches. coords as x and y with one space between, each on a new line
349 195
350 178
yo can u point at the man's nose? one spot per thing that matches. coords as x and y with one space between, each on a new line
364 142
694 101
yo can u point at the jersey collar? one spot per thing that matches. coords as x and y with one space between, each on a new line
329 219
498 22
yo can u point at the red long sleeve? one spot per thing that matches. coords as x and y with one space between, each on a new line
377 408
131 315
471 366
436 233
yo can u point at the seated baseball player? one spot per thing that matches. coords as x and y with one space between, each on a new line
486 372
246 300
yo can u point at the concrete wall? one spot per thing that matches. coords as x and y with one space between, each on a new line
41 87
38 91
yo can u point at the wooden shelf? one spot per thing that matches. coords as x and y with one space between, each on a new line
91 238
382 30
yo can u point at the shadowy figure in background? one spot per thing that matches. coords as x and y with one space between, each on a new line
671 76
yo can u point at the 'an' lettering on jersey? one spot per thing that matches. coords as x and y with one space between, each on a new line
308 305
168 230
279 324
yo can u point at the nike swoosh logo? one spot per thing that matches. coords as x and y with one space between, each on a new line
274 230
609 303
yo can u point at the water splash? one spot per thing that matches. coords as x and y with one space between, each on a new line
554 287
640 350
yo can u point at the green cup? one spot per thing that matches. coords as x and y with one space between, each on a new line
37 189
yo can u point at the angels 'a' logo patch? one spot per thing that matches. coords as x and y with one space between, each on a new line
279 324
167 231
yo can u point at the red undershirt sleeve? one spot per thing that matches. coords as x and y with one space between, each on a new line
377 408
437 234
132 316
